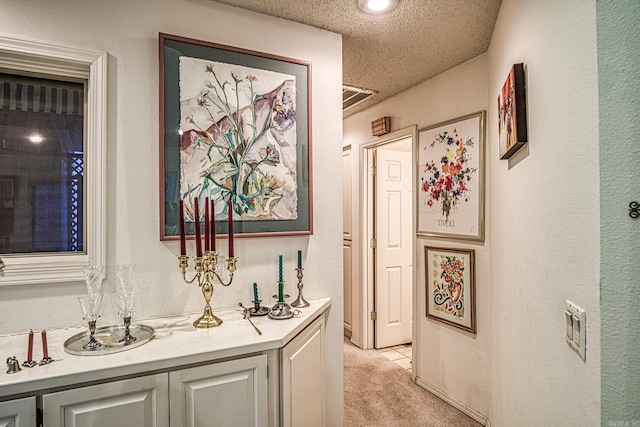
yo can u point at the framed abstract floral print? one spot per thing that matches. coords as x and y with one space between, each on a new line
450 179
512 113
234 129
450 286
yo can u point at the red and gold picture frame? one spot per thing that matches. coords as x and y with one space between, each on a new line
512 113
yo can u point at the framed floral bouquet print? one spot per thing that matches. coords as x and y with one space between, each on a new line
450 179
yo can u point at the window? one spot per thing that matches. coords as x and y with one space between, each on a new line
52 152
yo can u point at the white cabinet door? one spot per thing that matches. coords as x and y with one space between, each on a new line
303 390
230 394
140 402
18 413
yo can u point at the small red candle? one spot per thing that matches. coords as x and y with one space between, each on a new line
197 224
30 351
206 225
183 242
212 231
231 251
45 350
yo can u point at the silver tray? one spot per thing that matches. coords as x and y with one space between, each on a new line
109 336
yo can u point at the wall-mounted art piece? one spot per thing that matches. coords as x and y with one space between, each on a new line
512 113
234 124
450 179
450 286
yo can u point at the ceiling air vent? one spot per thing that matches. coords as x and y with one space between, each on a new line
354 95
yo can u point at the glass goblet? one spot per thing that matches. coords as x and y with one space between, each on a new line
93 278
91 305
125 276
127 303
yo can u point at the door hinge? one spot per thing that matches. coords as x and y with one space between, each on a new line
374 315
374 171
373 243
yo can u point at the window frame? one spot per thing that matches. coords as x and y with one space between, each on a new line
56 61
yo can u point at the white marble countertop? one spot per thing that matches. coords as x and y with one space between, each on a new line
176 343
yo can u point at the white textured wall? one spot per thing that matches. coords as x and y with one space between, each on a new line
542 212
128 31
619 71
449 359
545 218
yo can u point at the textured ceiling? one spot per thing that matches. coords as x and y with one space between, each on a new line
393 52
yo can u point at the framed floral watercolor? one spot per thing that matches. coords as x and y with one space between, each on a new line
450 286
512 113
450 178
234 124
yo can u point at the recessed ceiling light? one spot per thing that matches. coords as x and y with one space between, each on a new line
35 138
377 6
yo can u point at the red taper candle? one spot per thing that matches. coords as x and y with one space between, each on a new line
196 213
231 251
45 350
212 231
206 225
183 242
30 351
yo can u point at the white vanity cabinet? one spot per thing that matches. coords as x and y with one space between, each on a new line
302 374
222 377
142 402
18 412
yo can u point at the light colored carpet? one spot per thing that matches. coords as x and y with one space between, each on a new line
378 392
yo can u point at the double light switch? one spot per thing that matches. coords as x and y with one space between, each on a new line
576 329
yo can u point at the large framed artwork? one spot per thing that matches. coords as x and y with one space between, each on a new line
512 113
450 178
235 124
450 286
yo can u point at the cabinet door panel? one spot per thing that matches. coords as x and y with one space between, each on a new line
303 391
232 394
139 402
18 413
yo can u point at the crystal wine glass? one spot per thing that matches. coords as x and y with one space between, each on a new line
91 305
93 278
127 302
125 275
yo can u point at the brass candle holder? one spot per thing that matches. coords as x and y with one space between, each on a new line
207 270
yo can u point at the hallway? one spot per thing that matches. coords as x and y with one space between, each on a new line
378 391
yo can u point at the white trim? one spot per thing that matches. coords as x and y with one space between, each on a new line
462 407
366 227
31 57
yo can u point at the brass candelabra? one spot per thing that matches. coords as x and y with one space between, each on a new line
208 269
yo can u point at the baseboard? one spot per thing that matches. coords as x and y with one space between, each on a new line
453 402
347 331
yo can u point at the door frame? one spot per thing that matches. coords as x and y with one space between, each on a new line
366 213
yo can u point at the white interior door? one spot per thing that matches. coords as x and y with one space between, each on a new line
393 253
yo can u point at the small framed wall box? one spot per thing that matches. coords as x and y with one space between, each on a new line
381 126
512 113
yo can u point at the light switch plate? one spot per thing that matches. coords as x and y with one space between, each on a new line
577 321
